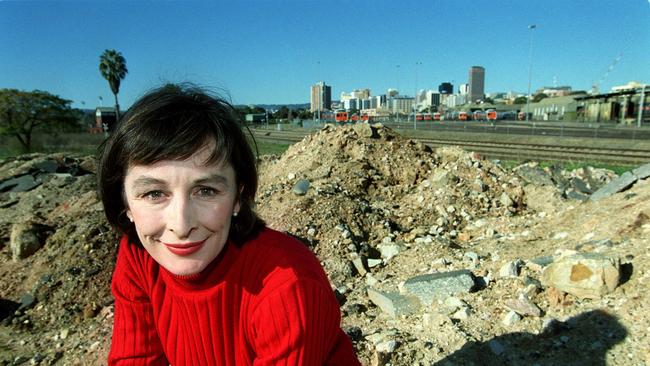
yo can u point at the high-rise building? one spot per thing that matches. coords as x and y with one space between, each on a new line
433 98
463 89
401 105
476 83
446 88
361 93
321 97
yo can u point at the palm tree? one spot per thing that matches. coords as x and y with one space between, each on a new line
112 65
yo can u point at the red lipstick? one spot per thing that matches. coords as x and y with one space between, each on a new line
184 249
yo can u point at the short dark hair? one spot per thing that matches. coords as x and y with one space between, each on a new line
172 123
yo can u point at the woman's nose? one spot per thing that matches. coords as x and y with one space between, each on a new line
181 219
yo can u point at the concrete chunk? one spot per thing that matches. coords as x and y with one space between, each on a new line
523 306
585 275
433 286
534 174
23 183
617 185
642 172
394 304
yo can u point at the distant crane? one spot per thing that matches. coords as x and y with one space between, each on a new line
595 89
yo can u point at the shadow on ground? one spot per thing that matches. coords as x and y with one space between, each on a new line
581 340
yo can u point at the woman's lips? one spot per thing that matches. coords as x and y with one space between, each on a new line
184 249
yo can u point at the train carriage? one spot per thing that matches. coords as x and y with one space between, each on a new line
341 116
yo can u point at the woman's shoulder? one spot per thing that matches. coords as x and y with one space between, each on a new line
274 254
279 245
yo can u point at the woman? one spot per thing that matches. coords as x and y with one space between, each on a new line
199 279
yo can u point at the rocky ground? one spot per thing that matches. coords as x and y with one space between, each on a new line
437 257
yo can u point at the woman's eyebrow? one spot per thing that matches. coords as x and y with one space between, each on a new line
144 181
212 178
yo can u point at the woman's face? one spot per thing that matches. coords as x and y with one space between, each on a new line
182 210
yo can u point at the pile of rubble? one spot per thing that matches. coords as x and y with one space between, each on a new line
437 257
440 256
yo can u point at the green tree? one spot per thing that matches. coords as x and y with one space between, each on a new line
520 100
305 114
112 65
539 97
281 113
22 113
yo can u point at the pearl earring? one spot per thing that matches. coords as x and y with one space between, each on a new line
235 213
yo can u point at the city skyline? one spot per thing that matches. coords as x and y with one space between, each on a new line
265 52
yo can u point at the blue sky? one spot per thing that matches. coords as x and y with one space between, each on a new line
267 51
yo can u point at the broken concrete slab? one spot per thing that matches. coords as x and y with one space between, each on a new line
642 172
623 182
394 304
47 166
22 183
575 195
430 287
534 174
580 186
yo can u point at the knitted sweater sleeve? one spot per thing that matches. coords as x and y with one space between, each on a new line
135 340
299 324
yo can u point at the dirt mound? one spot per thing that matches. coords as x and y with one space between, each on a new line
367 183
56 301
382 213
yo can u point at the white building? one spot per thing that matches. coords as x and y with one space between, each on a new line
455 100
401 105
432 98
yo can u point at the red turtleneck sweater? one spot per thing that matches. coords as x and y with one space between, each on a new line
266 303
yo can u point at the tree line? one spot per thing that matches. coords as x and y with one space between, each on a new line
24 113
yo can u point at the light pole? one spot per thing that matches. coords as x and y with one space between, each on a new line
530 67
396 104
415 99
640 116
397 67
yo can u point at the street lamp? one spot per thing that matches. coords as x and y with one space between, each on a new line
415 99
396 104
530 67
397 66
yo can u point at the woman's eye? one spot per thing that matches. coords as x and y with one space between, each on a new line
207 192
153 195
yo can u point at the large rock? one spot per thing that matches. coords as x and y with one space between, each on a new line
24 240
22 183
394 304
366 130
584 275
430 287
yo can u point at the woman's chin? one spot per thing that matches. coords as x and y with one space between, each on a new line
185 269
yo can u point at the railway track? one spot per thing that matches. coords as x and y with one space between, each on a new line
503 150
